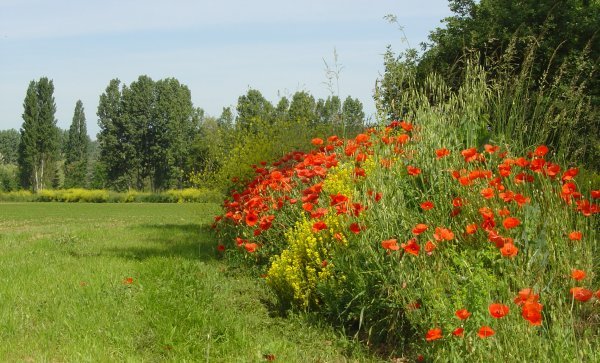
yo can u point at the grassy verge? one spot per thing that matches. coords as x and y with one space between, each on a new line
137 282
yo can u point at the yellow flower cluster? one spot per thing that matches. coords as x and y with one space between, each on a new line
296 273
340 180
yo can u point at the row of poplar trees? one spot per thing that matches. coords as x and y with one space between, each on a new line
39 151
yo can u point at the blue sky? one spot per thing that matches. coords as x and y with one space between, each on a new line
219 49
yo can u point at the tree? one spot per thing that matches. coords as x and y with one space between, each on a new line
560 31
115 139
252 109
174 126
9 146
353 114
77 150
226 119
147 130
329 111
39 136
302 109
282 109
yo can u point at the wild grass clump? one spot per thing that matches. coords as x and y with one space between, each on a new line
73 195
16 196
429 238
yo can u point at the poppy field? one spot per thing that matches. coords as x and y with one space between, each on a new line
426 241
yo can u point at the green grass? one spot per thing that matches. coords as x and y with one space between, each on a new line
62 295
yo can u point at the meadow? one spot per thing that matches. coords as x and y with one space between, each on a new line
141 283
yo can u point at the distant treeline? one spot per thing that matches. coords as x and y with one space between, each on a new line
152 138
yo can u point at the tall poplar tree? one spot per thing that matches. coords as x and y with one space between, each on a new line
116 147
77 150
38 150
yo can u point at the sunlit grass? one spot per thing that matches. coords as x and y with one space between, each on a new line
65 296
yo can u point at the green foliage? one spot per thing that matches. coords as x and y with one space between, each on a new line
9 146
9 178
540 60
77 150
39 147
146 133
252 108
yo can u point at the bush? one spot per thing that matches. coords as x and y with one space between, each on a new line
103 196
393 233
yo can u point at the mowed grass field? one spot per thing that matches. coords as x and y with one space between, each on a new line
65 296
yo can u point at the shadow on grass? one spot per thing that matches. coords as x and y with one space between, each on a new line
191 241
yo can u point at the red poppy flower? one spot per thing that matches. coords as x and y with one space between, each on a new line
390 244
541 151
427 205
498 310
578 274
511 222
458 332
575 236
402 139
469 154
251 247
318 226
595 194
266 222
570 174
429 247
504 170
220 248
471 228
509 250
412 170
491 149
406 126
128 281
504 212
532 312
360 157
419 228
485 331
581 294
356 228
537 165
440 153
319 213
443 234
526 295
457 202
359 172
317 141
486 213
433 334
251 219
361 138
462 314
411 247
487 193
